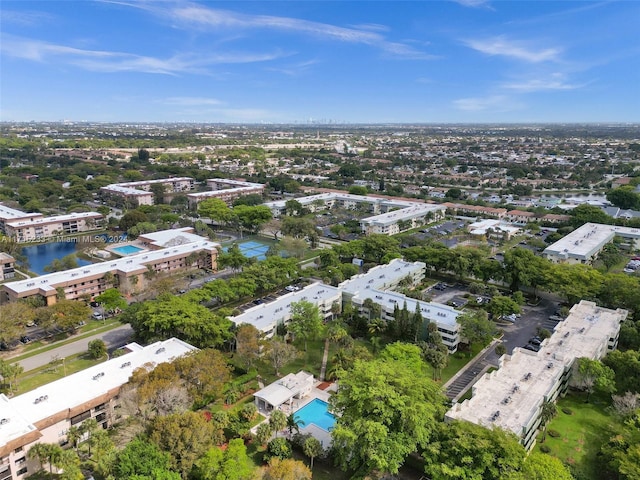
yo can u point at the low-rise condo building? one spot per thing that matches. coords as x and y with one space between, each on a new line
7 266
512 397
226 190
585 243
140 193
376 285
390 215
36 229
46 414
160 252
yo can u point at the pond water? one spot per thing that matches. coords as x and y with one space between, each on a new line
39 256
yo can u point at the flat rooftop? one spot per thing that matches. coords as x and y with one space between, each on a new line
54 219
511 396
526 378
171 238
8 213
266 316
416 210
330 196
130 263
587 240
29 408
381 277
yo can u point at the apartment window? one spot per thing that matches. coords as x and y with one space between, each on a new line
18 450
79 418
20 461
22 471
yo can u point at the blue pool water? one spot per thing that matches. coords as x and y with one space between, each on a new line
317 413
39 256
127 249
252 249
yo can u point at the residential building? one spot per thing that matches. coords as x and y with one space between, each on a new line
44 415
181 250
8 214
140 193
477 210
585 243
391 215
35 229
226 190
493 229
520 216
7 266
512 397
284 390
376 285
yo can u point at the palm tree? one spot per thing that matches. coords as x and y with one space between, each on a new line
88 427
294 423
549 410
263 433
73 436
277 420
312 448
46 452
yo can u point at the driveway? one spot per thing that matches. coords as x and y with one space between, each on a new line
113 338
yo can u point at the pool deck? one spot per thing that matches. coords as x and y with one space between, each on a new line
318 433
113 249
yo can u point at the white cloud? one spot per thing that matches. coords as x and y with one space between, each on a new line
217 18
480 104
509 48
191 101
473 3
556 81
106 61
25 18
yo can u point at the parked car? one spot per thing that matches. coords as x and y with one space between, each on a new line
25 339
533 348
97 316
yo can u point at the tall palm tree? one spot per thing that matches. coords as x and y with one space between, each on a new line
278 421
73 436
549 410
294 423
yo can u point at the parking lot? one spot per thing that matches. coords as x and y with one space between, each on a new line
516 334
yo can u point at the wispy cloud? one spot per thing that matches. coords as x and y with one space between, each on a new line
473 3
295 69
493 103
107 61
368 34
25 18
556 81
502 46
190 101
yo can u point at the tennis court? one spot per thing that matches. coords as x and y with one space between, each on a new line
252 249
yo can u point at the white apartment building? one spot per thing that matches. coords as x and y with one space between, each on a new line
390 216
226 190
7 266
377 284
139 193
8 214
35 229
165 251
44 415
512 397
585 243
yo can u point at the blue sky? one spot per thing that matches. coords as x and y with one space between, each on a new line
367 62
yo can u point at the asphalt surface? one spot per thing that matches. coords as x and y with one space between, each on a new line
514 335
113 338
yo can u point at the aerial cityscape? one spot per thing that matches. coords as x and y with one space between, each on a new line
319 240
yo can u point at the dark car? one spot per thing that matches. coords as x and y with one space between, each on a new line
24 339
94 304
535 341
533 348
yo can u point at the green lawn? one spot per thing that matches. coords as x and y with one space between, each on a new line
309 361
46 374
581 434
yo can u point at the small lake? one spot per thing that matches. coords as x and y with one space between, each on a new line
39 256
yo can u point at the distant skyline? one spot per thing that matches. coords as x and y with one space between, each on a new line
465 61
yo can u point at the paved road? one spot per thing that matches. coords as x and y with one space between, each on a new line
113 338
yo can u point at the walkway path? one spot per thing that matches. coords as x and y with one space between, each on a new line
113 338
470 373
325 357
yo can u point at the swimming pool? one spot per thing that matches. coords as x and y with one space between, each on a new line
127 249
316 412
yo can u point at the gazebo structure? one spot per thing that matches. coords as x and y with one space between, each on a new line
283 391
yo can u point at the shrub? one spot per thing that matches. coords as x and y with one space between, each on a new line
279 447
545 449
553 433
567 411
